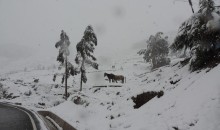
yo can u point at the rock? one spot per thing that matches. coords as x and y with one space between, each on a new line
56 86
41 103
9 96
36 80
143 98
28 93
17 103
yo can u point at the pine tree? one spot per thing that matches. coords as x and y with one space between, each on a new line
200 33
157 51
62 57
85 49
206 7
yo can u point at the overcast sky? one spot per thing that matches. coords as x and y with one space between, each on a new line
31 27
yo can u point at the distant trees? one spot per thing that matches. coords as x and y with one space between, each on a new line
62 57
201 34
85 49
157 50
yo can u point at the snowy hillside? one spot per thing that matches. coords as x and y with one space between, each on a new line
190 101
113 32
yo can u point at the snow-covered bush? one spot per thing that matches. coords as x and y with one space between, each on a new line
78 100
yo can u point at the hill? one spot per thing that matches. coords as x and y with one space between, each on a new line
169 98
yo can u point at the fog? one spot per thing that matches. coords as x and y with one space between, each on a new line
30 28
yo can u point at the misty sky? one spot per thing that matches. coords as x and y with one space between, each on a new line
31 27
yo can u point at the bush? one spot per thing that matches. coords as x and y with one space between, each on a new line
161 62
143 98
204 59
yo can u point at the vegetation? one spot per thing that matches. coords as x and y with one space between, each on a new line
62 57
157 51
201 34
85 49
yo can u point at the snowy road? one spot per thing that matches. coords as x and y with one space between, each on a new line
12 118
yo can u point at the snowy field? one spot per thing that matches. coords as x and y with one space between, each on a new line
191 100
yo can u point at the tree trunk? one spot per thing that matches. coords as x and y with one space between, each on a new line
66 78
153 63
81 76
81 82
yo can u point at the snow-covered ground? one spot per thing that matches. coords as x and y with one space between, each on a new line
191 100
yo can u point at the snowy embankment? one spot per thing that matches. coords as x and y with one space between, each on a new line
190 101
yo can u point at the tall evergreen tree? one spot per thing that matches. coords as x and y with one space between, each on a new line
62 57
157 50
85 49
200 33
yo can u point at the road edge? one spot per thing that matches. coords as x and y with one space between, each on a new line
57 119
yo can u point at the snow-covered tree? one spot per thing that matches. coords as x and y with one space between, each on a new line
157 50
85 49
201 34
62 57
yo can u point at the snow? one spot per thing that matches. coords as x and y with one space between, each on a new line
192 103
214 24
191 100
51 120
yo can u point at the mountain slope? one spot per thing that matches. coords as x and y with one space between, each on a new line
190 100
